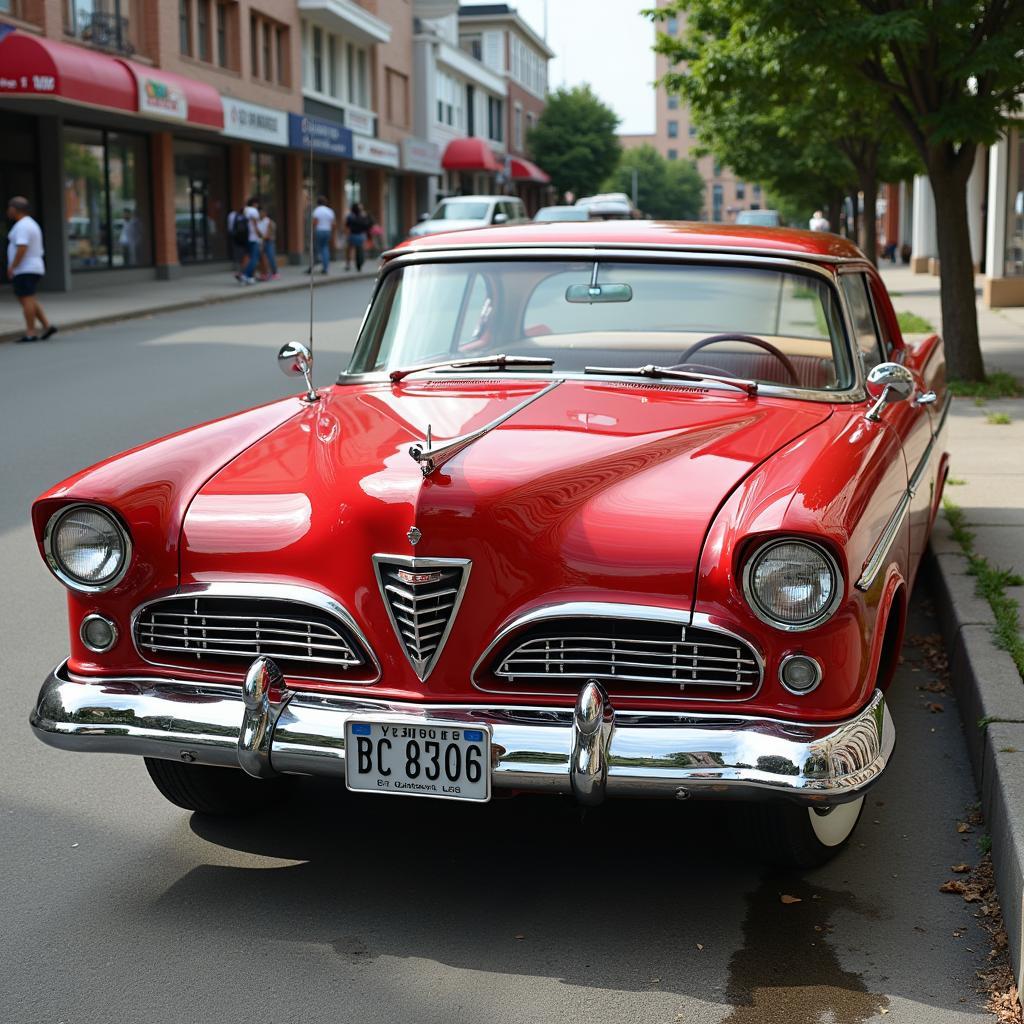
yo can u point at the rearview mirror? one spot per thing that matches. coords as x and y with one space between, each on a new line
296 360
888 383
590 293
499 218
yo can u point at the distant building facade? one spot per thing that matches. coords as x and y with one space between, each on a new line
675 138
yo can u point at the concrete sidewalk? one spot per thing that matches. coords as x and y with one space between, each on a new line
96 301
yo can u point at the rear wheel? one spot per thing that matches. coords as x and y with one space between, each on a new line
212 790
795 836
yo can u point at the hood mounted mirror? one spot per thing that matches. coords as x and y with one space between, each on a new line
296 360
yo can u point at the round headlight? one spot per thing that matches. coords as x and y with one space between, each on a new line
792 584
87 548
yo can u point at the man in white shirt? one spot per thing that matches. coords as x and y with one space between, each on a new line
25 267
252 217
324 223
819 222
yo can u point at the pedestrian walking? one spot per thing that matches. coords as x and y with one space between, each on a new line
25 267
268 239
324 228
251 216
357 224
238 235
376 239
819 222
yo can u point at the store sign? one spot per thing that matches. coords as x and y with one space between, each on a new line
373 151
420 155
255 123
360 122
161 99
328 138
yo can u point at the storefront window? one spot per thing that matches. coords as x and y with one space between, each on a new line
1014 265
106 199
355 188
200 201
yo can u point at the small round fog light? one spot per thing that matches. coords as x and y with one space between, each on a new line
99 634
799 673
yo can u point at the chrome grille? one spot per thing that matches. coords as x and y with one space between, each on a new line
422 596
665 656
205 630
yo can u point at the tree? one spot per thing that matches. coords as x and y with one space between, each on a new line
574 140
810 137
951 75
666 189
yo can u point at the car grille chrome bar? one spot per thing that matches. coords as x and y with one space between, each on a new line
691 660
197 628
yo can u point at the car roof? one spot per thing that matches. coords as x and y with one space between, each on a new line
481 199
681 235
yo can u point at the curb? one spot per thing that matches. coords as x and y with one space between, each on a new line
990 693
208 300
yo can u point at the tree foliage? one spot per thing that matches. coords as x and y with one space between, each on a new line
666 189
574 140
949 73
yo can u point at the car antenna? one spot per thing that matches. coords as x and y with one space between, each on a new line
311 394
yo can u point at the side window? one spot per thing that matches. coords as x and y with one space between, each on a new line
475 319
518 211
855 287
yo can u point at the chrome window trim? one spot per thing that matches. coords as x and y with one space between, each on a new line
876 557
271 591
663 254
113 629
54 565
612 610
414 562
800 627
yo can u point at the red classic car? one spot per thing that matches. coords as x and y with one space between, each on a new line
599 509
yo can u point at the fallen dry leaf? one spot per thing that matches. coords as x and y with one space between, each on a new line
954 886
961 869
786 898
962 826
935 708
518 936
700 945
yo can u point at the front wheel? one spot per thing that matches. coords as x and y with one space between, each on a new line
795 836
211 790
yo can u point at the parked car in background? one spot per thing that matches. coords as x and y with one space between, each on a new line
460 212
759 218
603 510
609 206
561 213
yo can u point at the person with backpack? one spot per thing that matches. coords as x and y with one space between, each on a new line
357 224
238 239
250 217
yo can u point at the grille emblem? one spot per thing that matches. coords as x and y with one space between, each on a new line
422 598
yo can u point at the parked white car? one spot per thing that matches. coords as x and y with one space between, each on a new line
460 212
608 206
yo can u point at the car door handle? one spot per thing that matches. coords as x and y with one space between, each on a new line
926 398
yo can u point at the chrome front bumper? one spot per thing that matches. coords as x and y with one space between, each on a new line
590 751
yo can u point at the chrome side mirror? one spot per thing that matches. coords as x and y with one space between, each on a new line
499 218
887 383
296 360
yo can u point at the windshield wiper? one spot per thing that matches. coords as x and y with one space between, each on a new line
749 386
499 362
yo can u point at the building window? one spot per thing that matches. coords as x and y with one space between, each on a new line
757 191
741 190
673 154
672 26
673 101
517 127
717 169
280 43
692 131
267 68
318 59
200 201
396 86
185 27
106 199
473 45
203 29
673 129
222 34
495 119
716 202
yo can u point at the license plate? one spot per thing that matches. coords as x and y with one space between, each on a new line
418 759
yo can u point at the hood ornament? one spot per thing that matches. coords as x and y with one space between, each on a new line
431 458
414 536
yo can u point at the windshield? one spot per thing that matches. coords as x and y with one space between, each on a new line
460 210
562 213
765 218
582 313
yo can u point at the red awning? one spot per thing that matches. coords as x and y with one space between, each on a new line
167 95
470 155
33 66
523 170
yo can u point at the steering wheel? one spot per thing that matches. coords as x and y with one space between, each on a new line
749 339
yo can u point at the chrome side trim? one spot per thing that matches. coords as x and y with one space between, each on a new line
422 668
433 458
273 591
876 557
610 610
667 754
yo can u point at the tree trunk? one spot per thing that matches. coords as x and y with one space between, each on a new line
853 220
959 309
835 214
869 222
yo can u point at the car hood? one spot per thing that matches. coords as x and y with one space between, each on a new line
597 490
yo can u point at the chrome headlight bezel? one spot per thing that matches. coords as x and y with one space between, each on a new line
61 571
750 596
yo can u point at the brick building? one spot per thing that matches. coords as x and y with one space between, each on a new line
135 126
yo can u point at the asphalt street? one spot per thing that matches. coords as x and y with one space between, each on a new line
116 906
